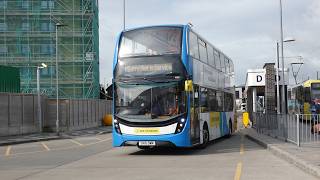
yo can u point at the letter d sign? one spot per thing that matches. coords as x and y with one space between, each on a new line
259 78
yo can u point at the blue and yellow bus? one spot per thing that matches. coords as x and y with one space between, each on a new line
171 87
305 98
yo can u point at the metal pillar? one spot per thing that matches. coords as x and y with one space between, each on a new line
254 99
39 100
277 80
282 59
57 82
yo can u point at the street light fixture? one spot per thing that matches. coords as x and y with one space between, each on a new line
57 78
43 65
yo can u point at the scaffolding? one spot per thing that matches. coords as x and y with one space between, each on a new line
27 39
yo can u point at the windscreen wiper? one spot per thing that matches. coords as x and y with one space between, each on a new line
148 79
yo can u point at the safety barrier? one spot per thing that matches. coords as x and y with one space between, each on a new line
296 128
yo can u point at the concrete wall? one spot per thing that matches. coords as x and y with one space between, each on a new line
76 114
19 115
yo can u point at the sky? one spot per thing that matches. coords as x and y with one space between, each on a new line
245 30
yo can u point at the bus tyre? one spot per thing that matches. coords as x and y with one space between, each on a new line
205 136
230 129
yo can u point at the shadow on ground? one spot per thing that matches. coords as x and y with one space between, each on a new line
221 145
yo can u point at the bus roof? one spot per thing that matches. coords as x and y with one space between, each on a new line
309 82
165 25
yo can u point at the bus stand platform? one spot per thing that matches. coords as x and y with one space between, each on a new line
306 157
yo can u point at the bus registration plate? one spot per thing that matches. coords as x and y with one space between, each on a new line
147 143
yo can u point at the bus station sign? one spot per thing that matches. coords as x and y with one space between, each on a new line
257 77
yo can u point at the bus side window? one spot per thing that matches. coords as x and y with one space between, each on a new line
204 100
193 45
221 58
227 66
307 96
228 102
216 59
220 102
210 56
203 50
212 100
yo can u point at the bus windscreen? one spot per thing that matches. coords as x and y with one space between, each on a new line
151 41
149 102
315 91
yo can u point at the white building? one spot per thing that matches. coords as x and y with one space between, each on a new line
256 89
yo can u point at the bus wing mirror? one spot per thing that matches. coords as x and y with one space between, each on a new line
188 85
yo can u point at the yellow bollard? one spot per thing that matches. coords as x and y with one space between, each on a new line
107 120
245 119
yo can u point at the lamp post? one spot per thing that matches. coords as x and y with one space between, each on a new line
277 73
277 80
124 14
282 59
57 78
43 65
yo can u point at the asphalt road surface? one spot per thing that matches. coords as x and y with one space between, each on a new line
93 157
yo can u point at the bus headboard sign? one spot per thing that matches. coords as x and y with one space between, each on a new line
148 68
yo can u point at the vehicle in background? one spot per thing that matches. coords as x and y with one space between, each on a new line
171 87
305 99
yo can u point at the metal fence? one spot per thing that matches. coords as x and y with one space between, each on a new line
298 129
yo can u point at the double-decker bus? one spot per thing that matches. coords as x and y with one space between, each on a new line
171 87
305 98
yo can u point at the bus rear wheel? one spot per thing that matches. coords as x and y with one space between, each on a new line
230 129
205 137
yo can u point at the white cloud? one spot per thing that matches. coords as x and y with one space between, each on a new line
246 30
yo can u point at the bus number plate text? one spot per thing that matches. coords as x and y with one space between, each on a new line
147 143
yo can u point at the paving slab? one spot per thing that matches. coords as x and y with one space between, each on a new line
306 157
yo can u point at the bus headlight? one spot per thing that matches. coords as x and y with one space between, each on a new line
116 126
180 125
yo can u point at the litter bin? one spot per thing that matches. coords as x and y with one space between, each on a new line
107 120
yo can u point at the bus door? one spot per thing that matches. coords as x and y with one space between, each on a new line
194 115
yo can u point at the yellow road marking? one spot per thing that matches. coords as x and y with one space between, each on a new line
241 149
8 151
237 175
63 148
45 146
76 142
